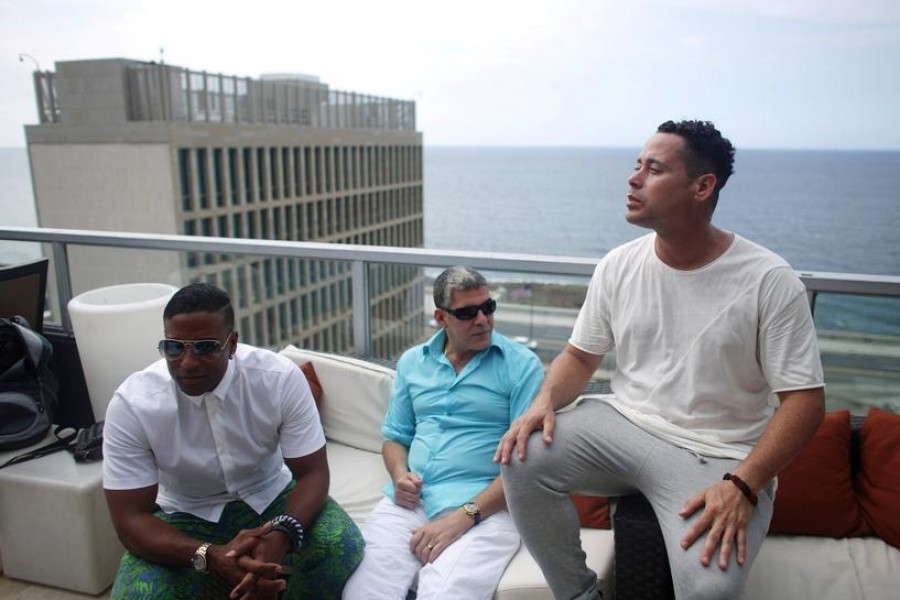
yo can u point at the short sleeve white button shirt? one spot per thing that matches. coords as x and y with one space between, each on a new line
205 451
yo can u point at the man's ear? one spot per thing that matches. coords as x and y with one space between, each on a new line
705 186
439 317
234 343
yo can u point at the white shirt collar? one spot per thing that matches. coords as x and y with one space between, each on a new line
218 392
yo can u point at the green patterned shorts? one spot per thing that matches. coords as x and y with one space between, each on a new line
332 550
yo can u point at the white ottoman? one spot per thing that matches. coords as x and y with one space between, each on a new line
54 525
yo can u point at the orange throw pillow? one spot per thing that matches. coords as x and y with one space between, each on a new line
593 511
313 380
878 479
815 491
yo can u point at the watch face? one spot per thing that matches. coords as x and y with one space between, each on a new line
471 509
199 558
199 562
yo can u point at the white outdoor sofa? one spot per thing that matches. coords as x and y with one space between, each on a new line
55 529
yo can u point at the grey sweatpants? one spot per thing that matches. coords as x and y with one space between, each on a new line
596 450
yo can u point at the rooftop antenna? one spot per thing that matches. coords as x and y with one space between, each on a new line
162 51
23 56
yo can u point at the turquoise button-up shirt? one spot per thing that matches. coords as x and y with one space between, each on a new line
452 423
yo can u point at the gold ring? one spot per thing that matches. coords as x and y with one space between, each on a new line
430 546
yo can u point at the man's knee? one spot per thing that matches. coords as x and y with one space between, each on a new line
321 569
537 461
710 583
336 535
138 578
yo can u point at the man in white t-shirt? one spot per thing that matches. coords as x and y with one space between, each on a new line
215 472
718 384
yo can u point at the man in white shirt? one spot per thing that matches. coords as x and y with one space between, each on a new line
708 328
214 463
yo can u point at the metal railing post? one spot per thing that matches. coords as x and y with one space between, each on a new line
361 321
63 284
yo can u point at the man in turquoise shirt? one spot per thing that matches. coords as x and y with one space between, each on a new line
444 514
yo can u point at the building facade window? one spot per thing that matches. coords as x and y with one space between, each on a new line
345 193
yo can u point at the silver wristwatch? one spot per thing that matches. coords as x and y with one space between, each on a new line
199 559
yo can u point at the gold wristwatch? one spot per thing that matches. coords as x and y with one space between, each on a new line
471 509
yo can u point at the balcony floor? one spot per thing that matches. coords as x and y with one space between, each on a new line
14 589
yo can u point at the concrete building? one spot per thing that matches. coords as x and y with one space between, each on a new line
132 146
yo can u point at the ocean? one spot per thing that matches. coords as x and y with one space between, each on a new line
16 204
832 211
821 210
829 211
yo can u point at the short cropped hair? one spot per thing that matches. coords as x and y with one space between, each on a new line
455 279
706 151
200 297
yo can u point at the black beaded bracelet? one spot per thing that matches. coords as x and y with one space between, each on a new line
742 485
292 528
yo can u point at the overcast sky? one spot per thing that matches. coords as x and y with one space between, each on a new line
770 73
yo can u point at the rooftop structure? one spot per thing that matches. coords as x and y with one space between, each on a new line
131 146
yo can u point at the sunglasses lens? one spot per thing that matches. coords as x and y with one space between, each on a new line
467 313
171 348
175 349
206 347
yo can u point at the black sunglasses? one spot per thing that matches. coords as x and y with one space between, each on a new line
467 313
175 349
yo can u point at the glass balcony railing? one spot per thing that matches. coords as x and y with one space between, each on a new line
376 301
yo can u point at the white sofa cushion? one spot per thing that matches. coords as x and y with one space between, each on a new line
877 566
523 580
355 397
802 566
357 477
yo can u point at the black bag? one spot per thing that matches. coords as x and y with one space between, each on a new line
28 387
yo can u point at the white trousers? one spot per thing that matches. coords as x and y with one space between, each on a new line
469 569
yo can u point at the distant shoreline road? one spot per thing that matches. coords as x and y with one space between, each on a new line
847 356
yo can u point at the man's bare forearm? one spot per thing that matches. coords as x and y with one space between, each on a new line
396 457
790 428
567 376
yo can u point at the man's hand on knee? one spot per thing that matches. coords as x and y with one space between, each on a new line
724 519
430 541
516 438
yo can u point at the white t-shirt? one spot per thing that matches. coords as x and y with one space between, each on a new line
206 451
700 353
